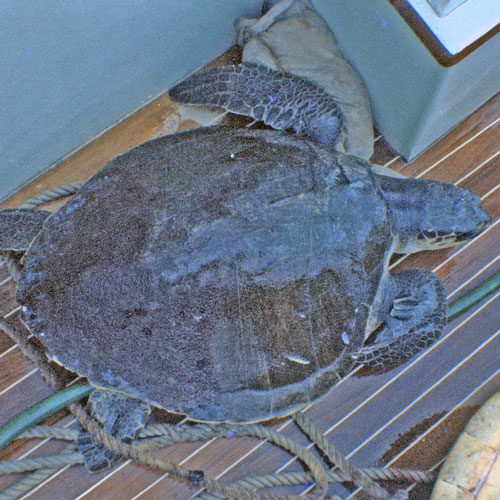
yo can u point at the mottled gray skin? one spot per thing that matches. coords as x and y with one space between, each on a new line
235 275
280 100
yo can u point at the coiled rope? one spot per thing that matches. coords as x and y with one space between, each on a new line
51 195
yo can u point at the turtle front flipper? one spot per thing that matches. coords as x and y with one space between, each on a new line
121 416
413 318
19 226
280 100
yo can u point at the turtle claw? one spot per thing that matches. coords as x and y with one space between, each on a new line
403 308
121 416
96 457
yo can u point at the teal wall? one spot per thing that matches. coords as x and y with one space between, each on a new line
415 100
71 68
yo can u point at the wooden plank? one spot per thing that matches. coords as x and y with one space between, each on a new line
470 130
435 441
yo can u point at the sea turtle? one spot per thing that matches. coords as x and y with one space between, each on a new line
233 275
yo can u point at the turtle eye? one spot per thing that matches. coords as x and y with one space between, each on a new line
266 5
432 234
464 236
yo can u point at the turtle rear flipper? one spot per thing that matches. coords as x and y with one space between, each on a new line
121 416
280 100
19 226
414 319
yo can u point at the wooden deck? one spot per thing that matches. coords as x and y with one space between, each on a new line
408 416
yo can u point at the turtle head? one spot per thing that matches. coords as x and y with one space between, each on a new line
428 214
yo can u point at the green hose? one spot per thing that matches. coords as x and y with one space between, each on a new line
65 397
41 410
471 298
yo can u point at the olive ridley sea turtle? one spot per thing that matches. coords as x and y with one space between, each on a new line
234 275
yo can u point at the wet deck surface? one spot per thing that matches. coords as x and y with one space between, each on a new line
408 416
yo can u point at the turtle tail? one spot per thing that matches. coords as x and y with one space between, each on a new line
280 100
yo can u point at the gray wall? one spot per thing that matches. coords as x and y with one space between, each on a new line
71 68
415 100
